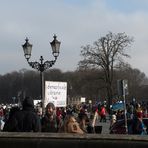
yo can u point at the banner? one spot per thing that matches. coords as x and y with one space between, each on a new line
118 106
56 92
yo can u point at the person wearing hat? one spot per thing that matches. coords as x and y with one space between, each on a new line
50 122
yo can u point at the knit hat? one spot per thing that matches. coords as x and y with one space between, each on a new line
50 105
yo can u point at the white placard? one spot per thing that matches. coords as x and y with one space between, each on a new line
56 92
82 100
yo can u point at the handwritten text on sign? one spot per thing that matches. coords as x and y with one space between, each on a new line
56 92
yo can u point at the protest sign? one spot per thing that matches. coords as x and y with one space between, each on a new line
56 92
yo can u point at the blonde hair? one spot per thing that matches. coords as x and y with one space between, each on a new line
67 120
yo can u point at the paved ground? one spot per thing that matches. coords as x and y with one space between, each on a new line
105 126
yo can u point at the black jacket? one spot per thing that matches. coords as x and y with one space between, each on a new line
25 120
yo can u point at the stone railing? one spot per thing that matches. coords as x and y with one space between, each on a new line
61 140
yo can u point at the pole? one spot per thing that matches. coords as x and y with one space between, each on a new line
42 92
125 111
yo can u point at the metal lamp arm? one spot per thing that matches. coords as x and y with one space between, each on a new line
35 65
48 64
42 66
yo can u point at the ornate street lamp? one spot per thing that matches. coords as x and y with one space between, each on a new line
42 66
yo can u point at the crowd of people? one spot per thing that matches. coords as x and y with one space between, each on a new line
71 119
29 118
136 118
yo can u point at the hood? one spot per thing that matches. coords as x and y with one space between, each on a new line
28 102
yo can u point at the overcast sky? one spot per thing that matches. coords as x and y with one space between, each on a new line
76 23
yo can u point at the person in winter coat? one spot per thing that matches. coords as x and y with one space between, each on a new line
83 120
25 120
8 126
102 114
138 126
50 122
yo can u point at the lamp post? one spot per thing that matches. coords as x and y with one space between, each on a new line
42 66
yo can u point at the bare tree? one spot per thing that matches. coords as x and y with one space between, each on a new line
106 53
